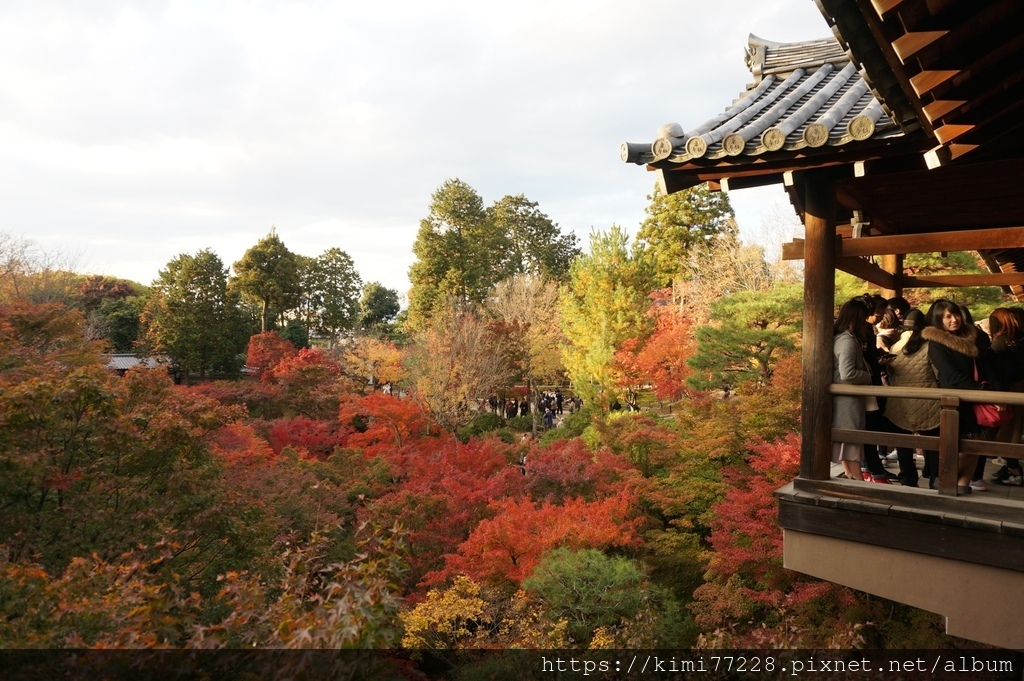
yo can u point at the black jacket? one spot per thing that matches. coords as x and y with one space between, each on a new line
954 359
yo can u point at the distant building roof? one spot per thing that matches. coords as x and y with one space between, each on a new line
805 96
126 361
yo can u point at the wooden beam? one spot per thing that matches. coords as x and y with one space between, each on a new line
844 516
794 250
883 7
960 280
672 182
733 183
941 107
926 81
869 272
948 133
819 302
909 44
963 240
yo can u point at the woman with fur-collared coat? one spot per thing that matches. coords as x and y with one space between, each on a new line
954 351
851 331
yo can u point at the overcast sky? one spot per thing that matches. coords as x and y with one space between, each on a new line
133 131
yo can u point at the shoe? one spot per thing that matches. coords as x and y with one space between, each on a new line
1010 479
963 490
1002 474
879 479
891 456
886 474
999 461
865 476
979 486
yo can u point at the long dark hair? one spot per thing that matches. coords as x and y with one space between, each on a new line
1005 322
914 323
939 309
853 317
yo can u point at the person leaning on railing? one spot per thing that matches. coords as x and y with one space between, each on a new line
909 367
1006 326
850 331
954 350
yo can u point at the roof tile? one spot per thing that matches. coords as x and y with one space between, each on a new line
806 94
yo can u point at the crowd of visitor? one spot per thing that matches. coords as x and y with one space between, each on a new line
885 342
550 404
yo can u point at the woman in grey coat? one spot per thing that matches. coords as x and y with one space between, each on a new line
850 332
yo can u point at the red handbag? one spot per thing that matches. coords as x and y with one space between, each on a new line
990 415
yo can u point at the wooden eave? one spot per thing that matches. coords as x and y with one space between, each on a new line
952 68
742 171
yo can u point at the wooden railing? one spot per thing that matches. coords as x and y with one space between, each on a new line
948 443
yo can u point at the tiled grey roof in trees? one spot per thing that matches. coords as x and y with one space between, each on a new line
806 94
126 361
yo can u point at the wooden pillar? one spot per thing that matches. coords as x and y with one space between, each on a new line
819 305
893 264
949 446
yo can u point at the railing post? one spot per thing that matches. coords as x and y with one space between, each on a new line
949 445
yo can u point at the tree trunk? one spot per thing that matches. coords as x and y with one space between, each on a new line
263 316
533 404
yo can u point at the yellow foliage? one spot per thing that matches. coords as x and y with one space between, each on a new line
447 618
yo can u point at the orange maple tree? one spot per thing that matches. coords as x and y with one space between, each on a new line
508 546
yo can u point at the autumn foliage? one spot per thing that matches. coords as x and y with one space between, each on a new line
266 351
310 508
661 359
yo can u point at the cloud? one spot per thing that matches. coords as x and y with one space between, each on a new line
139 130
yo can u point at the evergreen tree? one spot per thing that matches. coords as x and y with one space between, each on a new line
679 224
118 321
749 331
330 290
536 246
458 251
193 317
378 306
463 249
269 273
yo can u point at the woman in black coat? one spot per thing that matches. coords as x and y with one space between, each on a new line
954 349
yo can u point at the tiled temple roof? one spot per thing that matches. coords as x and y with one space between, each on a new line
806 94
126 361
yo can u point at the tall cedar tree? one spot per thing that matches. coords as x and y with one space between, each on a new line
458 251
463 249
536 246
269 273
604 305
193 317
681 223
330 293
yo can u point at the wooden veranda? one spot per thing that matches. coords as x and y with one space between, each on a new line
916 148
